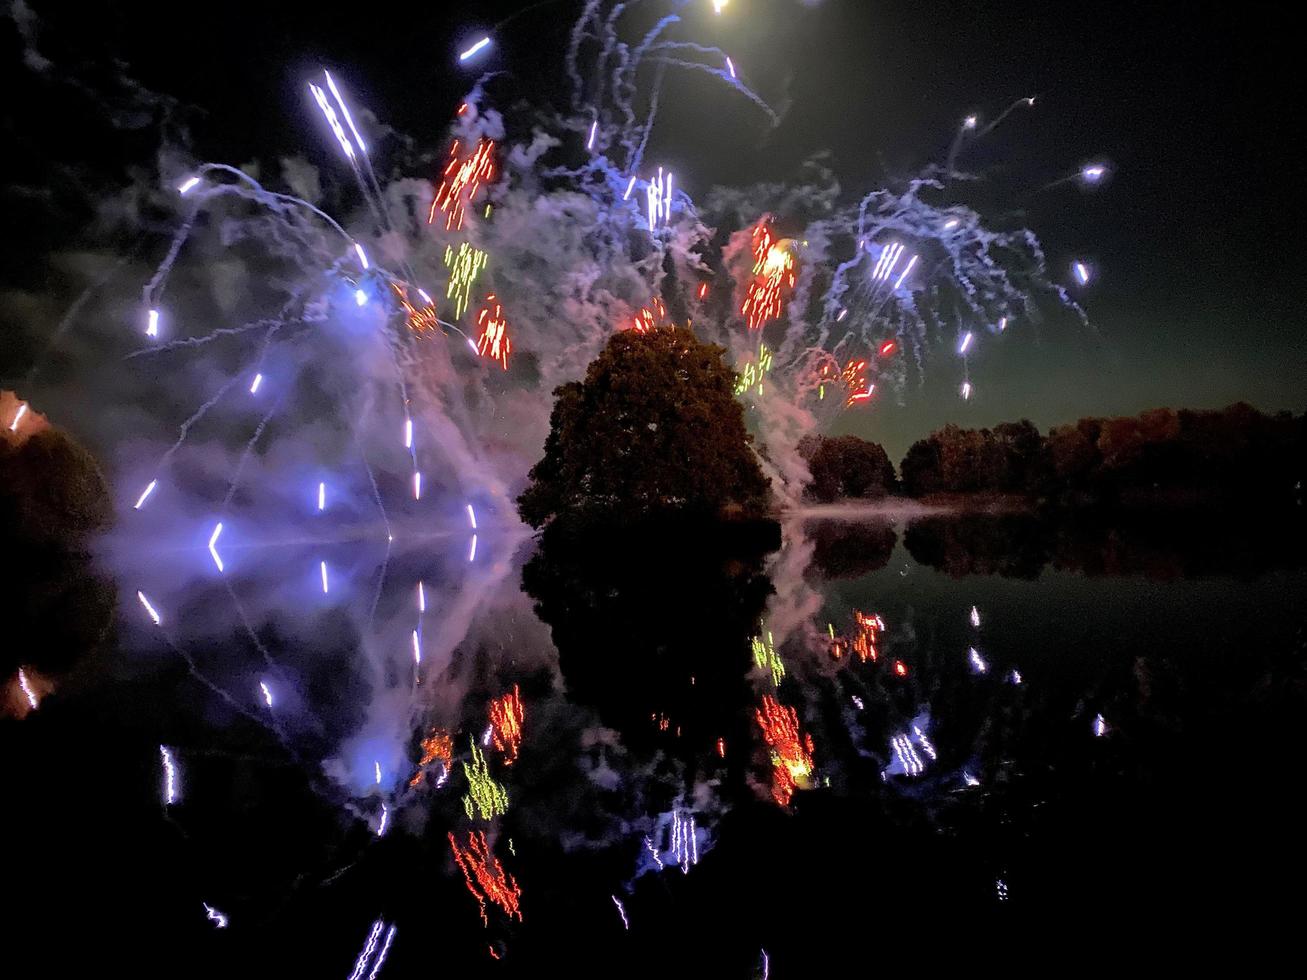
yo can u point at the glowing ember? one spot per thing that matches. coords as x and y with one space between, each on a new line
649 317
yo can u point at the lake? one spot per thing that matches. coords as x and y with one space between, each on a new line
710 758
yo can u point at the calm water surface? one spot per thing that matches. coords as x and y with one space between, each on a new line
1124 738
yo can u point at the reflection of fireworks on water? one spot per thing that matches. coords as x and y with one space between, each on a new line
486 799
485 877
791 750
685 841
506 717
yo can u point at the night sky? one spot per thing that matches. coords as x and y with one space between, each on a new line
1195 238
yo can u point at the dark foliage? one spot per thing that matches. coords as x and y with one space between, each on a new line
1159 457
846 466
653 620
655 426
852 549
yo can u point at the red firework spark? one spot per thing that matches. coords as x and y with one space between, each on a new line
461 180
869 628
494 342
649 317
773 276
791 752
506 717
485 876
854 377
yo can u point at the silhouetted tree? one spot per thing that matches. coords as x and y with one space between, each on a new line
846 466
655 426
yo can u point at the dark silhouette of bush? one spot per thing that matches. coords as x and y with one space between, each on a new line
52 493
847 467
655 426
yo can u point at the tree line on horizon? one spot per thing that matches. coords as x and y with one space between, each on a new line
1159 456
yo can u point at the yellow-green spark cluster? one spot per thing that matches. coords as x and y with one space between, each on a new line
465 266
766 657
486 799
752 372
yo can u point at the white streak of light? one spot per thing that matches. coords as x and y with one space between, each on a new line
324 577
267 693
381 957
348 119
149 608
322 496
360 297
217 918
422 598
904 274
188 185
472 516
590 142
408 433
966 342
975 617
472 553
484 42
417 486
152 329
258 380
140 501
26 685
368 947
385 819
730 66
621 910
169 776
629 188
363 256
213 545
417 648
376 766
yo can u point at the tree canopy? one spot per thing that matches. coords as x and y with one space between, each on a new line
654 427
846 466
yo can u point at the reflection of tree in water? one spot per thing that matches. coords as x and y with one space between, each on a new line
1154 545
852 549
653 623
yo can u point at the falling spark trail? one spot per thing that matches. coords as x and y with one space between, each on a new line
140 501
966 342
417 486
267 693
975 617
368 947
966 390
322 496
381 957
621 910
908 268
417 649
360 297
385 818
258 380
22 410
590 141
376 766
422 598
730 66
349 120
470 52
1100 726
152 329
1082 272
629 188
978 663
213 915
323 566
149 608
28 692
169 776
408 433
187 185
472 517
363 257
472 552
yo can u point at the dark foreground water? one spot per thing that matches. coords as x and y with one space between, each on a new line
1113 743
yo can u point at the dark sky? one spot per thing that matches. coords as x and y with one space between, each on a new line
1196 237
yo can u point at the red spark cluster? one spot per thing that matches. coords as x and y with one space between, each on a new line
485 876
773 276
420 319
649 317
439 744
854 377
494 341
506 717
869 628
791 752
462 178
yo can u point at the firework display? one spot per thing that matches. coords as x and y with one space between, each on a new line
485 877
791 749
